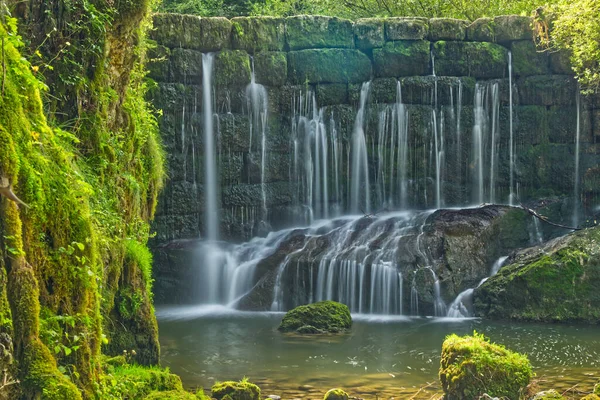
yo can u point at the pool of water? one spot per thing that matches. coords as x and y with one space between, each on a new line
382 357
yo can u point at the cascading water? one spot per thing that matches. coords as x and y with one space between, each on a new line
211 212
361 197
462 306
511 158
577 151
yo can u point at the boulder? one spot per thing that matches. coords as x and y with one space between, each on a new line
548 395
230 390
314 32
321 317
402 58
471 366
556 282
406 28
336 394
171 395
258 33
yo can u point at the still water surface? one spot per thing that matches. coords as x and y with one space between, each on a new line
382 357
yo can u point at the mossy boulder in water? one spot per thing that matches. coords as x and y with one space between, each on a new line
231 390
336 394
472 366
548 395
321 317
171 395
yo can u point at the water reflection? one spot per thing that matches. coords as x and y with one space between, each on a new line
383 355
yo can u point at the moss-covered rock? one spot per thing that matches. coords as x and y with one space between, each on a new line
475 59
402 58
230 390
512 27
232 68
258 33
336 394
591 396
406 28
314 32
185 66
171 395
481 30
597 389
192 32
447 29
333 93
270 68
159 64
556 282
528 60
548 395
369 33
560 62
472 366
548 90
328 66
132 382
324 316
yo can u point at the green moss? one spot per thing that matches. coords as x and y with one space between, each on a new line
328 66
230 390
321 317
402 58
171 395
336 394
597 389
476 59
313 31
472 366
271 68
548 395
132 382
258 33
232 68
528 60
369 33
447 29
591 396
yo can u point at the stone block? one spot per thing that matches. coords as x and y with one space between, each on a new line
547 90
560 62
596 125
328 66
171 97
186 66
421 90
245 195
232 68
314 32
406 28
270 68
481 30
475 59
530 124
384 90
235 133
369 33
192 32
513 27
331 93
258 33
447 29
159 64
402 58
527 59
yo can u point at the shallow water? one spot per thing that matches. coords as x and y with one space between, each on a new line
382 357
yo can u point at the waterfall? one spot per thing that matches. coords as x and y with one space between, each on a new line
576 195
511 197
360 202
459 152
479 127
438 304
494 148
258 105
211 212
462 306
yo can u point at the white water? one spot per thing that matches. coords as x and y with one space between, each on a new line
576 194
211 212
361 197
511 196
462 306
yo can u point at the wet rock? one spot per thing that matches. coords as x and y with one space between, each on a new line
242 390
481 30
232 68
555 282
528 60
321 317
258 33
547 90
447 29
314 32
512 27
159 63
402 58
475 59
270 68
471 366
186 66
328 66
548 395
336 394
560 62
406 28
369 33
330 94
192 32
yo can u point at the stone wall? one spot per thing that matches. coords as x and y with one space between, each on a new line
440 64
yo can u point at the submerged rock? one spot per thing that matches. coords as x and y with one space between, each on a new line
321 317
555 282
230 390
471 366
336 394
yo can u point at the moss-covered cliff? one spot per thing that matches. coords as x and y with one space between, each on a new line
79 145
